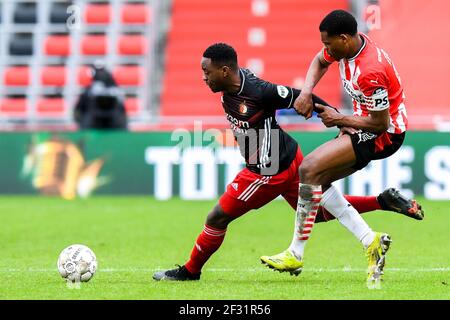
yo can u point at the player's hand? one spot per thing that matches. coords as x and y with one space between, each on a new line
347 130
304 105
329 115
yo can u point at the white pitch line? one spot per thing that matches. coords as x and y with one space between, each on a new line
345 269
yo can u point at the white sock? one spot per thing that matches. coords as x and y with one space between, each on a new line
338 206
308 203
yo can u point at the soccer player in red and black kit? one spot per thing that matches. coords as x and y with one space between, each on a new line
272 157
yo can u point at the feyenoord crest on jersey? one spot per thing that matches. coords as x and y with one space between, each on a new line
243 108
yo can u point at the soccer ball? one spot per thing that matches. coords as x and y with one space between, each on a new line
77 263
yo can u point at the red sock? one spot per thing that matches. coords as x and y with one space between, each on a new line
207 243
361 204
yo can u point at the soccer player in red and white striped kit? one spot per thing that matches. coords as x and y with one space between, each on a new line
272 157
376 130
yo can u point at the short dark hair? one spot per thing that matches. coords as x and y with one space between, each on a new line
339 22
222 54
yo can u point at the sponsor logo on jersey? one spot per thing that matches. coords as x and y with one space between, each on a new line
282 91
238 126
356 95
238 123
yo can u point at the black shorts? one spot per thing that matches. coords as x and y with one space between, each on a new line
369 146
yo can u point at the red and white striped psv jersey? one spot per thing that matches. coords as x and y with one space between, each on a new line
372 81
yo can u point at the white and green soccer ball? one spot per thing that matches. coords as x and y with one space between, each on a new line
77 263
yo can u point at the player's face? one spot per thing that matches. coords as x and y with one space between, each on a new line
213 75
337 46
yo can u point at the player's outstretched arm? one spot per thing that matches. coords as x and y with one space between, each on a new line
376 101
304 104
377 122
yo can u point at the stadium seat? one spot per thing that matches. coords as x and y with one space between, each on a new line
97 13
50 106
84 76
25 12
17 76
129 75
33 70
94 45
53 76
135 13
425 84
132 105
13 106
21 44
280 55
57 45
58 12
132 45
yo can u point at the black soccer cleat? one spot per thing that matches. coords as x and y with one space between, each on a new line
392 200
178 274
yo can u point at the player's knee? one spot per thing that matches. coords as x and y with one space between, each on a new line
217 218
309 170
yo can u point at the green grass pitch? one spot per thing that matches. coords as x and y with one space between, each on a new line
134 236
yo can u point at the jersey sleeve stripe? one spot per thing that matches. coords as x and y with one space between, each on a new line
292 99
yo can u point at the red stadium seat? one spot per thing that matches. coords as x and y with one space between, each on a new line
97 13
133 105
53 76
135 14
275 53
50 106
94 45
129 75
17 76
132 45
13 107
425 84
57 45
84 76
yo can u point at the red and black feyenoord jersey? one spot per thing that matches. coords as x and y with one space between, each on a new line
267 149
